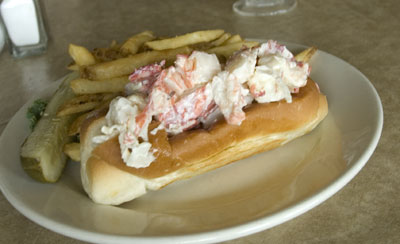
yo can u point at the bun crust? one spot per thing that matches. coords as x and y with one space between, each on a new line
108 180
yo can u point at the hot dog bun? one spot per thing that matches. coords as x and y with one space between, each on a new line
108 180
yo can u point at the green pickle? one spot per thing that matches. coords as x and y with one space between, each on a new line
41 154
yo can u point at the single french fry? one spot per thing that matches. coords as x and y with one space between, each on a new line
83 103
306 55
114 45
125 66
73 67
73 151
81 55
84 86
75 127
80 104
227 50
184 40
106 54
132 45
233 39
221 39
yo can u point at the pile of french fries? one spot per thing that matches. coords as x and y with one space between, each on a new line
104 71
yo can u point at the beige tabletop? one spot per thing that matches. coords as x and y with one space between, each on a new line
364 33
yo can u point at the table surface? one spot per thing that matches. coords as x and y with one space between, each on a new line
364 33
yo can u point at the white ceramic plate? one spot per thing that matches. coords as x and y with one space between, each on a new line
237 200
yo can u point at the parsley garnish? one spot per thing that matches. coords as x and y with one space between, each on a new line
35 112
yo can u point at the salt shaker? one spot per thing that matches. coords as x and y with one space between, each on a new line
24 24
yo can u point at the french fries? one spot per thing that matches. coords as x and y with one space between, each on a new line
134 43
306 55
185 40
81 55
83 103
108 53
221 39
125 66
85 86
73 151
233 39
73 67
75 127
227 50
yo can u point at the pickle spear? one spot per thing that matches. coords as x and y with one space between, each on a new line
42 154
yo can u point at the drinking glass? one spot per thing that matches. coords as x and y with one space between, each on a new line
263 7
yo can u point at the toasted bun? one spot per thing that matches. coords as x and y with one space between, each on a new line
108 180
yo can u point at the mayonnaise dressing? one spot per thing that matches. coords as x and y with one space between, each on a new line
229 89
120 120
277 74
182 95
